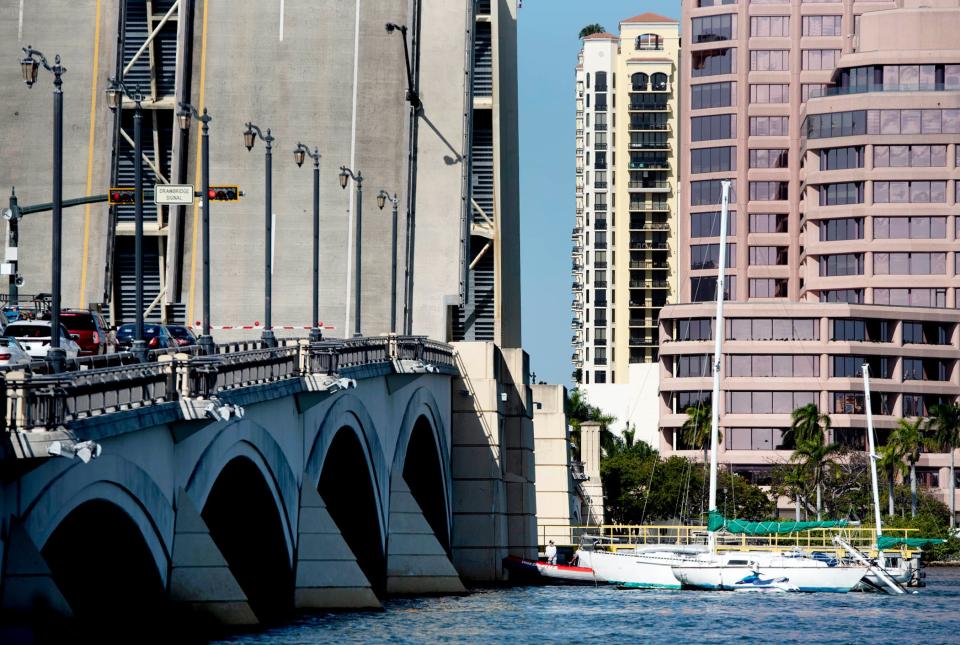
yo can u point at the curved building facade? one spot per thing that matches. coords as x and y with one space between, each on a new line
847 253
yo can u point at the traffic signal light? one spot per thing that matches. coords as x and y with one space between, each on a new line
224 193
122 196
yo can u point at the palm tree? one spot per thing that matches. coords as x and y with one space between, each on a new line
589 30
945 424
891 462
908 439
696 429
629 436
815 455
808 424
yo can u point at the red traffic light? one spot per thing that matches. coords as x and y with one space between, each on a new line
224 193
122 196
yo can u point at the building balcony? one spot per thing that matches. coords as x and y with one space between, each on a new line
599 342
649 165
600 127
645 206
653 147
600 284
635 264
649 107
647 246
600 265
600 224
599 146
579 170
650 226
600 245
648 127
577 285
577 306
649 284
600 184
576 324
577 249
577 232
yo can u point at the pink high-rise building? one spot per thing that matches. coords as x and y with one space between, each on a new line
839 124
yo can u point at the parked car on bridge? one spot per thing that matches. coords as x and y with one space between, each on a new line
156 336
90 327
12 353
34 336
183 335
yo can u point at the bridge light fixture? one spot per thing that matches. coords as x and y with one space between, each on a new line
249 137
85 450
29 67
344 178
381 199
113 96
184 117
299 155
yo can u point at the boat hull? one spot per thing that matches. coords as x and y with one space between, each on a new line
545 573
804 578
635 571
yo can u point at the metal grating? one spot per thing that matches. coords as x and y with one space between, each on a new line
483 7
126 284
164 45
482 164
126 168
482 61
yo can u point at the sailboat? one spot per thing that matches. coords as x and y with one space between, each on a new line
753 570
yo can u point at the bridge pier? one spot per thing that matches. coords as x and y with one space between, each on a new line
327 573
28 584
200 579
416 561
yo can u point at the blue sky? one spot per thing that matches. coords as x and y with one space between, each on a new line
548 47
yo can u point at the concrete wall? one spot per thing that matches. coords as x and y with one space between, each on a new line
558 505
494 507
592 487
636 402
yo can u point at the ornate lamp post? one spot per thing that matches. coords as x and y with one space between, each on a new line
299 155
345 176
382 198
183 119
29 66
250 136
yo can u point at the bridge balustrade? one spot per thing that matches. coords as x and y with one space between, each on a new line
103 385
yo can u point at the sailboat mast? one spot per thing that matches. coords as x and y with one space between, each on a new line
872 449
718 334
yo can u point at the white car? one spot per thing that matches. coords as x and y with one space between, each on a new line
34 336
12 353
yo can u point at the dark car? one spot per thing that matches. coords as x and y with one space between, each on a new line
91 330
156 336
183 335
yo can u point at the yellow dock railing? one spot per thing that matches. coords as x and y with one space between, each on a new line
628 536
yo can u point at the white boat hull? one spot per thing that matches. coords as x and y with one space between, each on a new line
566 572
646 570
709 575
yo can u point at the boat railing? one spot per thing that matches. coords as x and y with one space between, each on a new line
628 536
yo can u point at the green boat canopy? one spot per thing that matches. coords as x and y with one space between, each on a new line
885 542
716 521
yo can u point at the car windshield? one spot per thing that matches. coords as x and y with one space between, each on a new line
78 321
28 331
6 341
178 331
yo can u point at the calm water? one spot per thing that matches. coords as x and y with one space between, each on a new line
568 614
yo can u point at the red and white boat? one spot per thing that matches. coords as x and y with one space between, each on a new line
551 573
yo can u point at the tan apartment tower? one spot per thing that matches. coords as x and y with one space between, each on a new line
839 123
624 238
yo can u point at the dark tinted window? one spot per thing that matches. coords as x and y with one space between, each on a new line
708 62
713 159
28 331
712 95
78 321
180 332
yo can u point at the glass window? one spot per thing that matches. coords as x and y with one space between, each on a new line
910 297
841 194
768 158
841 264
768 287
704 288
841 158
713 28
821 26
837 124
774 126
770 60
648 42
718 126
904 192
819 58
768 190
711 62
769 222
769 93
849 296
707 256
713 159
709 192
847 228
712 95
770 26
708 224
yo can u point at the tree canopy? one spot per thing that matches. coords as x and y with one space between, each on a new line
591 29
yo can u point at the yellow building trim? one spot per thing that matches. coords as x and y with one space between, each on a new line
89 188
196 205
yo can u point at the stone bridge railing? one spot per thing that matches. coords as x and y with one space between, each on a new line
35 401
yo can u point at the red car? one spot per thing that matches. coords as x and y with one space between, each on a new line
90 328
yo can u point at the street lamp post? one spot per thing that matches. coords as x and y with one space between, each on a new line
382 198
115 93
346 175
29 65
183 117
250 136
299 155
